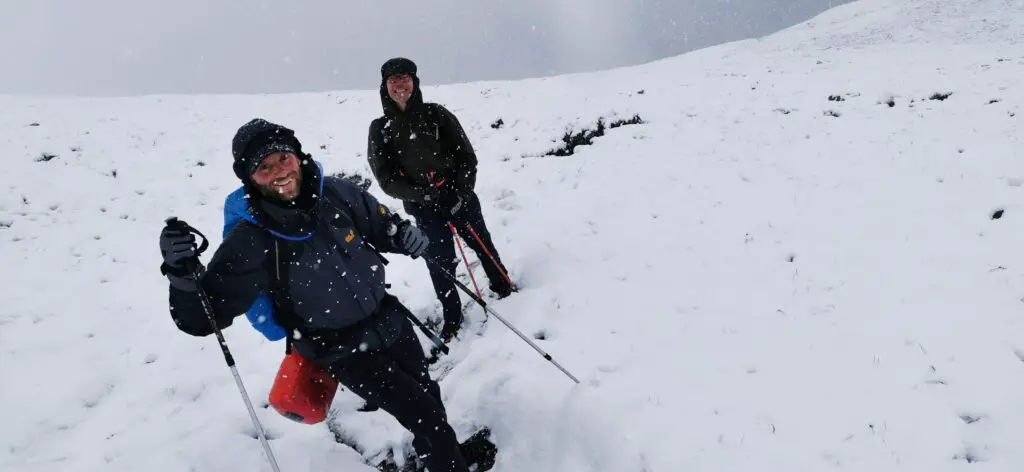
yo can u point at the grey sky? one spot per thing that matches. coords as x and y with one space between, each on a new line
127 47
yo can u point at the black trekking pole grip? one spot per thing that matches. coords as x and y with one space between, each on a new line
500 318
176 223
193 267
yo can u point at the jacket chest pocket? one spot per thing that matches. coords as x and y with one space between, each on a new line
361 262
427 137
428 130
343 240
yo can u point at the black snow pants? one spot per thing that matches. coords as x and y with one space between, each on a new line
396 378
435 223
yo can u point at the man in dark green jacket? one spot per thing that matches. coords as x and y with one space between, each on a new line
419 154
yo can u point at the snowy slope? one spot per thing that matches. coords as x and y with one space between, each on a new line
793 263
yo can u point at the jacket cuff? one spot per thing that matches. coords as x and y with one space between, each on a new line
180 278
172 270
185 284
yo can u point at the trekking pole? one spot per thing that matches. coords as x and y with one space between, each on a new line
393 229
455 236
488 252
438 343
192 266
499 317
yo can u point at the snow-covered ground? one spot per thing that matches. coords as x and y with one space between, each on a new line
792 264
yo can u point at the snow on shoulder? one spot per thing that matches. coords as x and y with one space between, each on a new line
798 252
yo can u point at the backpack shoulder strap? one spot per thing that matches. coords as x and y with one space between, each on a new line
283 314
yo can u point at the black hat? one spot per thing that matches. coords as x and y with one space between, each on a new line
397 65
255 140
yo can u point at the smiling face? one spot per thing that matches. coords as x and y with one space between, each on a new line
279 176
400 87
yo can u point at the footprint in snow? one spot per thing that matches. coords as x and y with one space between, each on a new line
970 455
506 200
970 419
92 400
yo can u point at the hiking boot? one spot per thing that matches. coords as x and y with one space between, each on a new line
478 451
450 331
504 290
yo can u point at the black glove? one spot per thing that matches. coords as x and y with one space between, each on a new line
178 247
410 239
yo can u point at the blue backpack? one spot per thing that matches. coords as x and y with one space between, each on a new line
261 313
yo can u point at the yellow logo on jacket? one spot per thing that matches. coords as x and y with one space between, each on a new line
351 236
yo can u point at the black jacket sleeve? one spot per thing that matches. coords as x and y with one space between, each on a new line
383 167
370 217
234 278
458 145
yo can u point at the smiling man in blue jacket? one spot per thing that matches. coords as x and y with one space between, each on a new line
305 241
